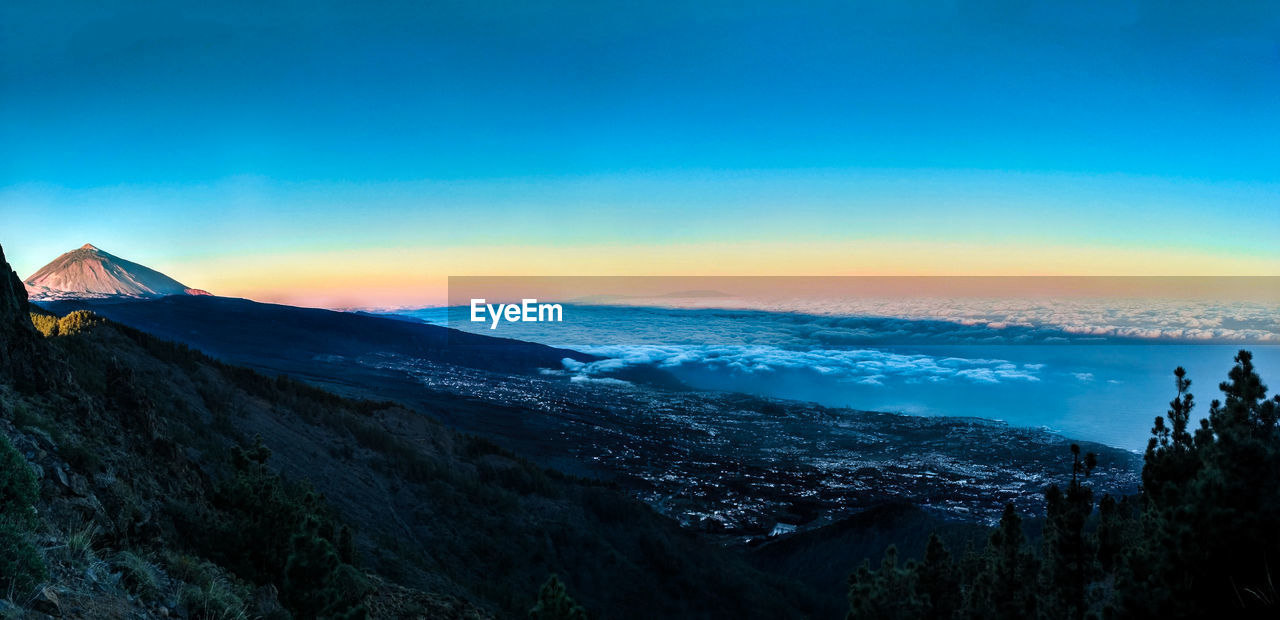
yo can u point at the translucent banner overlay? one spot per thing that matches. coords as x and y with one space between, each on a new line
1090 357
866 311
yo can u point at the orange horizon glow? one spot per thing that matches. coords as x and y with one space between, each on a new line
407 277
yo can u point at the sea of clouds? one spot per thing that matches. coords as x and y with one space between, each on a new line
861 366
1027 320
879 341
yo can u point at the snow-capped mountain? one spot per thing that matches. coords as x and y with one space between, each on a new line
90 273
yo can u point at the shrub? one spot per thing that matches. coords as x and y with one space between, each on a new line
23 417
216 600
265 530
317 583
21 567
80 542
46 324
81 458
18 488
77 322
138 575
186 568
554 603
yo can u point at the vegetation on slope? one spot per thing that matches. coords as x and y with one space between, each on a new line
1199 541
171 480
21 566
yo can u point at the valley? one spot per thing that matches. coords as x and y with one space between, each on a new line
748 467
734 466
453 450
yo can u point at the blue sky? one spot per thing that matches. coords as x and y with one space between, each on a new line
765 123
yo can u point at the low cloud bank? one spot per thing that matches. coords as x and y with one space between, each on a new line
862 366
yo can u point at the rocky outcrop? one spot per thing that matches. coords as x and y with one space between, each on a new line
19 342
13 295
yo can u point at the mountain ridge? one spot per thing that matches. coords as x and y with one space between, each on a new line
160 453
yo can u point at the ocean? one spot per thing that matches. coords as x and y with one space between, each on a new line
1085 378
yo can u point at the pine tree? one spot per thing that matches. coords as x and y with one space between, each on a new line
1115 530
554 603
316 583
938 578
1005 587
1237 491
888 593
1208 538
1171 459
1069 554
1200 541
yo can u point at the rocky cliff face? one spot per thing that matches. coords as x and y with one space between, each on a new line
18 339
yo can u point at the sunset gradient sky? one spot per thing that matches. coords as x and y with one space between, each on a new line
334 154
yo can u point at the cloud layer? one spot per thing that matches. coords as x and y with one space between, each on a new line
870 322
1022 320
861 366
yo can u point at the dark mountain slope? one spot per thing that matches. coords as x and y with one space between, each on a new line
138 438
327 345
270 335
823 558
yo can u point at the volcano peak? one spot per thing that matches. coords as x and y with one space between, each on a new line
90 273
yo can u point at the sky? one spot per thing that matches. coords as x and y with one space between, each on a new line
343 154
